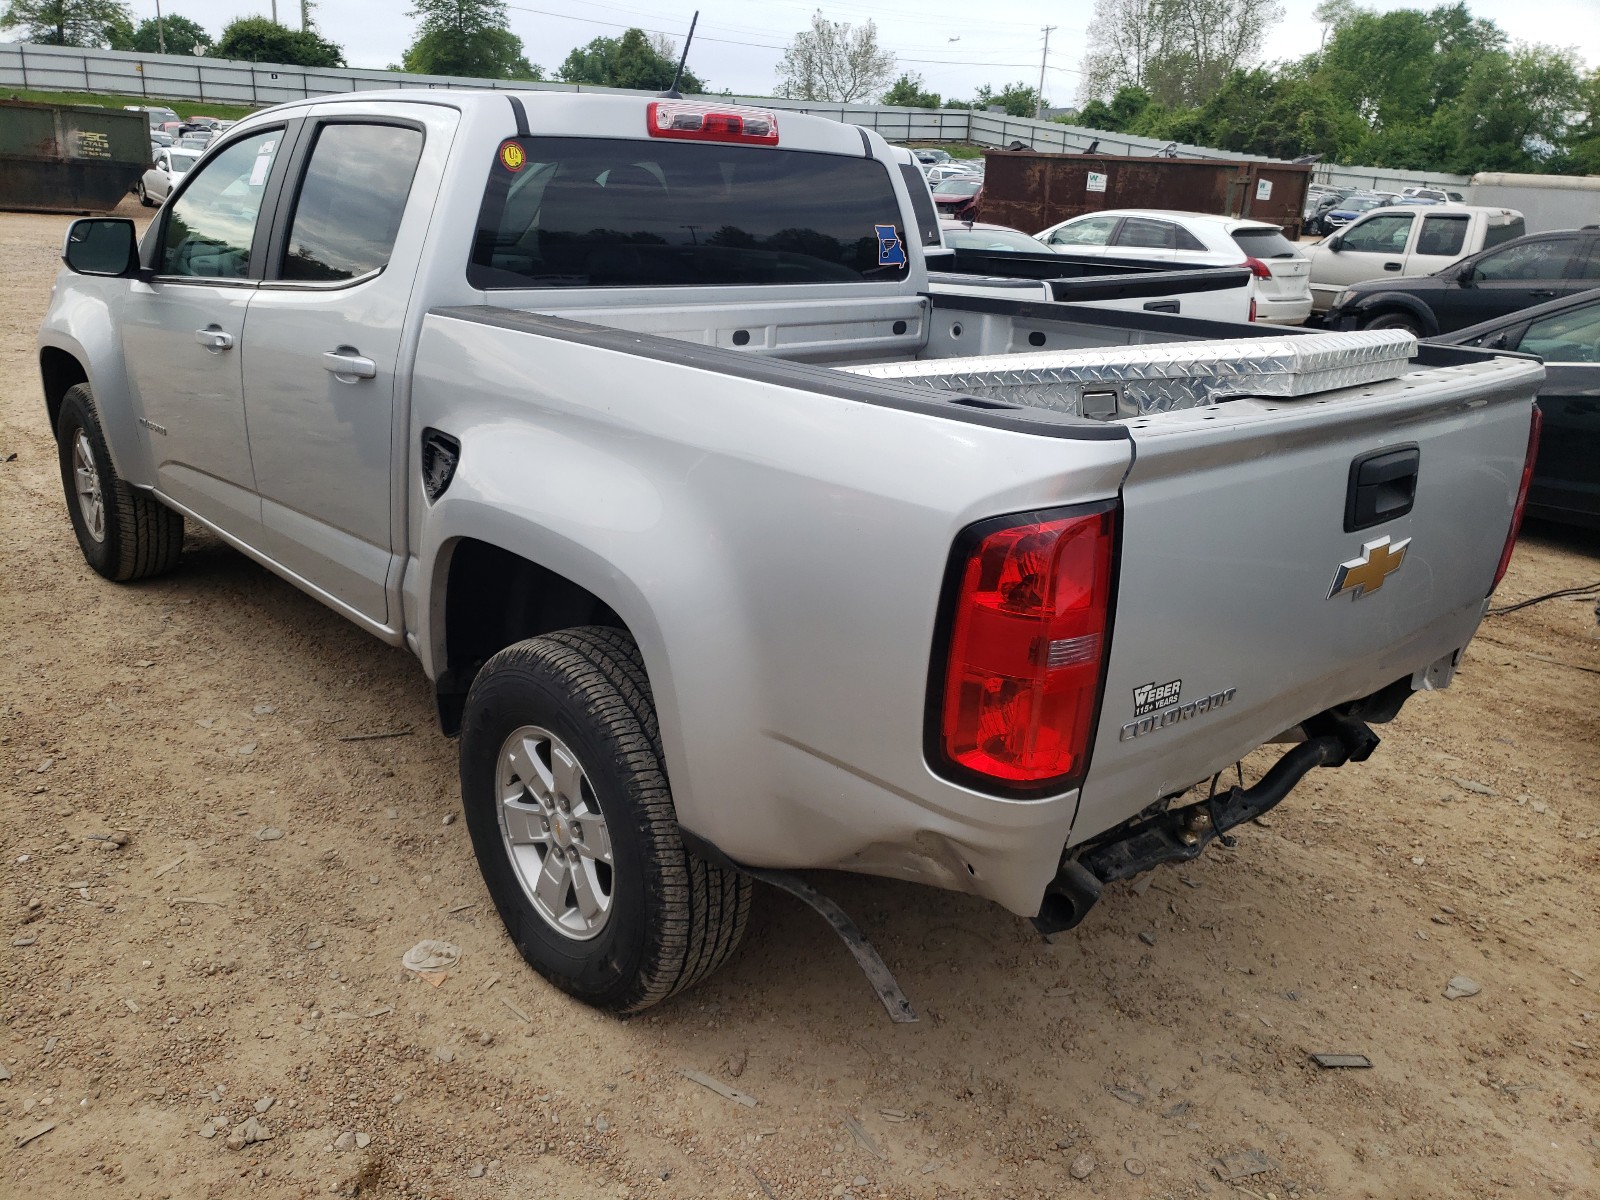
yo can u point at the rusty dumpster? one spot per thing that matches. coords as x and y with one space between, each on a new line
1032 191
69 157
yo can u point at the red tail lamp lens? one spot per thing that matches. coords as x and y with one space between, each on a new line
695 121
1258 268
1026 650
1528 462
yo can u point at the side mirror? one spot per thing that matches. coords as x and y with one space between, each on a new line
101 246
1465 273
1333 243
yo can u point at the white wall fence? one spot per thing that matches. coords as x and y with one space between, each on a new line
222 81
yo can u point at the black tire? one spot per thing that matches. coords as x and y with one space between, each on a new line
673 918
137 536
1395 320
144 196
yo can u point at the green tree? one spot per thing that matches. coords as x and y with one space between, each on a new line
1018 99
630 61
467 37
837 61
180 34
907 92
1118 116
258 39
69 22
1516 110
1582 153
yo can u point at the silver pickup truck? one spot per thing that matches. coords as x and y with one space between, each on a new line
728 547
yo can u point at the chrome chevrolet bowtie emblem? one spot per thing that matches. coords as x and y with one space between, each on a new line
1365 575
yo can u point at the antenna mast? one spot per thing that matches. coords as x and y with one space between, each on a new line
672 92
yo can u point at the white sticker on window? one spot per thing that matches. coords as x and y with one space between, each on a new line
263 164
1097 181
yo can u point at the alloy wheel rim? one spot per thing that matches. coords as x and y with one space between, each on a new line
554 832
86 482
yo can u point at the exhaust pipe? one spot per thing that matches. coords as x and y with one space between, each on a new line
1067 898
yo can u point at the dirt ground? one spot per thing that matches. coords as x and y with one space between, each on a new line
243 947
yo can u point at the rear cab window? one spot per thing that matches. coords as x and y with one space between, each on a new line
1510 231
921 204
1264 243
592 212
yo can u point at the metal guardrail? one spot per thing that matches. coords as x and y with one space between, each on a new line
223 81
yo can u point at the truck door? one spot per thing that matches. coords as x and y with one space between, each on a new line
324 346
181 333
1371 248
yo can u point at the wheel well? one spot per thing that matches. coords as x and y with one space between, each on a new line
494 598
61 371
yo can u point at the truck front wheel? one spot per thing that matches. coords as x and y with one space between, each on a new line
572 821
124 533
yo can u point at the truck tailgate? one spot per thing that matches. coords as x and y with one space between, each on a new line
1235 615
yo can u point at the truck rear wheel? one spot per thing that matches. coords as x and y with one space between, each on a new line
572 822
124 533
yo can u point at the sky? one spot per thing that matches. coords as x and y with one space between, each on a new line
738 45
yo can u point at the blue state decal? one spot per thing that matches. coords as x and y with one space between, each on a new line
890 252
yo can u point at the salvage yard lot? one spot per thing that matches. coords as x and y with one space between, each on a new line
244 944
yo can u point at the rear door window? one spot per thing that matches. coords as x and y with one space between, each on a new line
1444 235
580 212
1145 234
351 199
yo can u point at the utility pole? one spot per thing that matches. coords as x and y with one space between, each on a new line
274 12
305 15
161 30
1038 108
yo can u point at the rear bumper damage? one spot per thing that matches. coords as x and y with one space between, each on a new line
1181 834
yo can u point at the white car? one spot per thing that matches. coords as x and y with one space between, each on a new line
1281 287
157 183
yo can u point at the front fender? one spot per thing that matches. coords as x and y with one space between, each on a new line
81 323
1368 306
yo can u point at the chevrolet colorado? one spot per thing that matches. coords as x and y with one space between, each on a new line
727 545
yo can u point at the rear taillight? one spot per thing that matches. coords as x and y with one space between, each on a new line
1534 426
1258 268
1028 621
712 122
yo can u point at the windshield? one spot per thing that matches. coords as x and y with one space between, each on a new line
594 212
1011 240
1362 203
957 187
181 162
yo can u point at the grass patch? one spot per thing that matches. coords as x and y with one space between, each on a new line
184 108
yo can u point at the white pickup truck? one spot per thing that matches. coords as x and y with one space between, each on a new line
730 549
1404 240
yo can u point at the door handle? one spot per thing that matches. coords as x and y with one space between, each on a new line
1391 266
213 338
347 365
1542 292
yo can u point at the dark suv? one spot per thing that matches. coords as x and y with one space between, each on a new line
1494 282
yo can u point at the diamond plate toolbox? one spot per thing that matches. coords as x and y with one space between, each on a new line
1130 381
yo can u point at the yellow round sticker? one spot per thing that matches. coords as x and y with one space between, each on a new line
512 156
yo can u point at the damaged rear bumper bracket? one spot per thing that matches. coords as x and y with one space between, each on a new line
1181 834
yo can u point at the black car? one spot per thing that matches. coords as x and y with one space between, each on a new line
1511 276
1566 334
